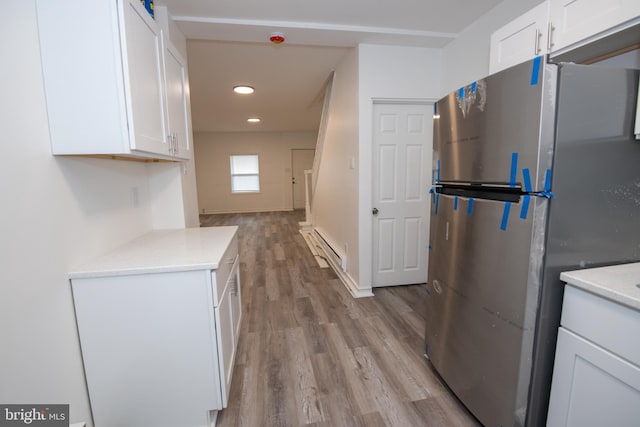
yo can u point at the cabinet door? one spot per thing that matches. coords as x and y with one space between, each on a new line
520 40
575 21
178 103
591 386
142 58
226 347
236 301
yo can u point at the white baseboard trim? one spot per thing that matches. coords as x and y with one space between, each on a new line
205 211
305 226
319 249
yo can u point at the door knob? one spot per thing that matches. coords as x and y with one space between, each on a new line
374 211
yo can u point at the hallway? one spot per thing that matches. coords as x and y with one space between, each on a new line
311 355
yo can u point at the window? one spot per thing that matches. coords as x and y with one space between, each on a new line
245 176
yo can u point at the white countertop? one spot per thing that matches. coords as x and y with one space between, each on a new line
619 283
162 251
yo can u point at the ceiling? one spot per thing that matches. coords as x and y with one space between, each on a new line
227 44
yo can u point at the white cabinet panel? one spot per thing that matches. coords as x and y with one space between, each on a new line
148 342
520 40
576 22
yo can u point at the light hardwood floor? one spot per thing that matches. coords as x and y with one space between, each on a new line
311 355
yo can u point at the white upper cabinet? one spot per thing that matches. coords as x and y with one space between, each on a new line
141 43
178 102
520 40
577 22
556 27
105 81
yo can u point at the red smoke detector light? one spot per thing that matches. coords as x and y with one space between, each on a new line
276 38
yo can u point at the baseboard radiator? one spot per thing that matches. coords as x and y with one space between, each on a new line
334 258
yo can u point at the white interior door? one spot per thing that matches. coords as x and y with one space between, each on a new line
402 150
301 160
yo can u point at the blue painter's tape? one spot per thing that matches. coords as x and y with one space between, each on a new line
455 203
547 181
514 169
426 349
436 201
547 187
461 93
470 207
526 175
438 181
525 206
505 216
473 87
535 70
435 109
428 291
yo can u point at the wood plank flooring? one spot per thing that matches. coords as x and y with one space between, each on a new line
311 355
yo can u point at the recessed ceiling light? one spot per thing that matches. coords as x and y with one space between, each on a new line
253 120
244 90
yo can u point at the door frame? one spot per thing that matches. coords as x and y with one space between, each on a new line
386 101
293 204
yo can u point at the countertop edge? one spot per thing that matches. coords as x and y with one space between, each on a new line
137 271
161 251
580 279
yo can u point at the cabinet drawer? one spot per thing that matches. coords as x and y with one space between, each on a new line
605 322
221 274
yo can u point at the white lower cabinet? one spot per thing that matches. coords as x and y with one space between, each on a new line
159 337
596 378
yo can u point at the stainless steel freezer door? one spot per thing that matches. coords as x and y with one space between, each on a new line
481 305
483 124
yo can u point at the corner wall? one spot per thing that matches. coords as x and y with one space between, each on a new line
212 151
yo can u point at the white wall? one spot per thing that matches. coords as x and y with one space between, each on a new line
387 72
466 59
212 151
56 212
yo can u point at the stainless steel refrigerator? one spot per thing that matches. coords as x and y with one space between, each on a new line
536 171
